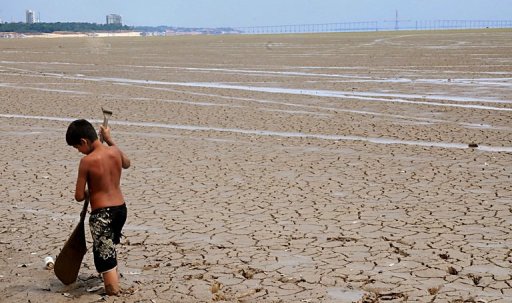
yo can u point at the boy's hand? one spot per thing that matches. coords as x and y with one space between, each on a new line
105 135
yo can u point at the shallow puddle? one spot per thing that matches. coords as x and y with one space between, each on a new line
345 294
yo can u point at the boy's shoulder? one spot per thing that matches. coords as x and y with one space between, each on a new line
105 152
85 160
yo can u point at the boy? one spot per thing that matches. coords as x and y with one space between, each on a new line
100 170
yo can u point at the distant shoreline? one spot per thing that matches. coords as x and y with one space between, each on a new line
70 34
137 33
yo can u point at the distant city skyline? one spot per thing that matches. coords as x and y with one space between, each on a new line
244 13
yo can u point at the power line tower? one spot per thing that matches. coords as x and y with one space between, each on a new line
394 24
396 20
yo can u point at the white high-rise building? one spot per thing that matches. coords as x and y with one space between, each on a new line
114 19
31 16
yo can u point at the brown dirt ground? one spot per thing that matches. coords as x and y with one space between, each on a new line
280 168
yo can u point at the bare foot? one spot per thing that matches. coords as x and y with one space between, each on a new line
112 290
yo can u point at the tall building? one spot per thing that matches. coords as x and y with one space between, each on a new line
31 16
114 19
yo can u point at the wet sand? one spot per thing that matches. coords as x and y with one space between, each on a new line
299 168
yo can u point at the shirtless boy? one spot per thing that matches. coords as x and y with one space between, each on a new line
100 170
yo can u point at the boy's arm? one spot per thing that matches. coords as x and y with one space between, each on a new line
80 192
105 133
125 161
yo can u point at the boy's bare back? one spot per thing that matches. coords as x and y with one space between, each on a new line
101 170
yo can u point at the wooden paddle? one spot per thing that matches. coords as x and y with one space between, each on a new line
70 258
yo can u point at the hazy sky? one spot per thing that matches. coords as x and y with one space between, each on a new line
239 13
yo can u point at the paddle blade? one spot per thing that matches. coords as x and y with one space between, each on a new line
70 258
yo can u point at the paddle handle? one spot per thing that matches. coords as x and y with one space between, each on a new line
84 209
106 115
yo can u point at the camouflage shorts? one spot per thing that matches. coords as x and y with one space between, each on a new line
106 225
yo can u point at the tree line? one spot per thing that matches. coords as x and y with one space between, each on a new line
43 27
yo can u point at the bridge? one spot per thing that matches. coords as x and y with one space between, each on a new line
367 26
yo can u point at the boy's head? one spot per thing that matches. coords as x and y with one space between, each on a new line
80 129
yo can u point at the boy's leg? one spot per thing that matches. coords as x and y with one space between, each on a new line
107 224
111 282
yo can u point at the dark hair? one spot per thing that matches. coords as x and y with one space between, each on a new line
80 129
